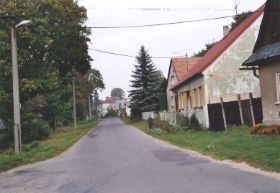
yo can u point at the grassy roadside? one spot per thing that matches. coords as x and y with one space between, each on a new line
235 144
58 142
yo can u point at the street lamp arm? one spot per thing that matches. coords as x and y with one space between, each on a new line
23 22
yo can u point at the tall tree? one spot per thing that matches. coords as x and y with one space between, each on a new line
238 19
117 92
48 49
145 80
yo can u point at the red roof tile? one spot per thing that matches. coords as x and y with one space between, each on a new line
183 65
220 47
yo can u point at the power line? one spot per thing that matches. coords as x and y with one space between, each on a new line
159 24
163 24
130 56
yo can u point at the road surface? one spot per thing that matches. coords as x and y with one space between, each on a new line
115 158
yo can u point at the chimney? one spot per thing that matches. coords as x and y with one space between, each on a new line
226 30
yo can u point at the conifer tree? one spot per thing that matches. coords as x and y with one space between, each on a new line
144 96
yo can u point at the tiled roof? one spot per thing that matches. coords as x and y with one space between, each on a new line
111 99
183 65
220 47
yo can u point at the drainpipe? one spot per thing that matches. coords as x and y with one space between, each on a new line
255 73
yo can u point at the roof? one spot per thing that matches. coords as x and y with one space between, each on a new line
220 47
183 65
267 45
111 99
263 55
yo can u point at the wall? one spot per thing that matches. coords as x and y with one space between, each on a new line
224 79
271 107
199 111
171 105
147 115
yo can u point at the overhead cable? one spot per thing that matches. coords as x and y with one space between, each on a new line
130 56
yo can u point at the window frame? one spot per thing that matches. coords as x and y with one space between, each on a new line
277 87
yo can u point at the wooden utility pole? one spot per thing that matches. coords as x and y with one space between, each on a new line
223 112
252 108
240 109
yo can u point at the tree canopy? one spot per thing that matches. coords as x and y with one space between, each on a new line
117 92
48 51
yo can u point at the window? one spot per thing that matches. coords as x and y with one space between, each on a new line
188 100
185 100
278 86
195 98
200 97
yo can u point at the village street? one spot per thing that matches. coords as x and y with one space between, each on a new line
115 158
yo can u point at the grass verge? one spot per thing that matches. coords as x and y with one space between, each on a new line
55 144
235 144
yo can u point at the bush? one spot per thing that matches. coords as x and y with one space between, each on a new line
183 121
150 123
163 125
260 129
111 113
194 123
34 129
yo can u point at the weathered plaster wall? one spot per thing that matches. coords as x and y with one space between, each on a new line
200 112
271 107
224 79
169 94
191 85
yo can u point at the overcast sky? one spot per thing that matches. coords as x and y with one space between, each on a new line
171 40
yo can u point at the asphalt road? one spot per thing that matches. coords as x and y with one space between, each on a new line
115 158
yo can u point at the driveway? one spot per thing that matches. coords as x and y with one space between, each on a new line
116 158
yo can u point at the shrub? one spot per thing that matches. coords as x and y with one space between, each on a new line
260 129
163 125
150 123
34 129
194 123
111 113
183 121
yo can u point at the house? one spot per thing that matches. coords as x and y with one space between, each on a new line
177 69
266 60
215 90
113 103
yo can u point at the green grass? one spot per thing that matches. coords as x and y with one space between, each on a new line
58 142
235 144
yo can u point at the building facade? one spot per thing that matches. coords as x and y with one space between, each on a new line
215 85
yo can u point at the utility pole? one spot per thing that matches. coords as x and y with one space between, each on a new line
89 106
74 99
17 126
236 7
16 103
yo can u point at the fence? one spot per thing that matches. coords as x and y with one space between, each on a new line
247 112
147 115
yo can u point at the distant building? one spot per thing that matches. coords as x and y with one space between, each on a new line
113 103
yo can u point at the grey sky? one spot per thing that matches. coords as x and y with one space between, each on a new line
172 40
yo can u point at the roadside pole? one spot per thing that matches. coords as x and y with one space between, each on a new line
17 126
74 100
